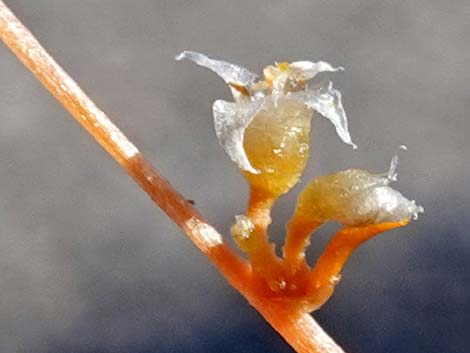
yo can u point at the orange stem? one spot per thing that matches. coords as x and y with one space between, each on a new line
297 240
263 259
298 328
326 272
259 210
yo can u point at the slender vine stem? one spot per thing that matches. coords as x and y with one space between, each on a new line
298 328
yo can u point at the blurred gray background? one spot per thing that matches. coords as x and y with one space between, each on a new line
88 264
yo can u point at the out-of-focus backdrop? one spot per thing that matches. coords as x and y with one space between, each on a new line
88 264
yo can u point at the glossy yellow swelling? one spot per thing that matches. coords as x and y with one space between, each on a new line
277 144
333 197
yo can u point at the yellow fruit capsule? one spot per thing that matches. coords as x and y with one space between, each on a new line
328 197
277 144
355 197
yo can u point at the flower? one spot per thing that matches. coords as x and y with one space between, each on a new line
265 131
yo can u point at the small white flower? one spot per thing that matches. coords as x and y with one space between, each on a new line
286 81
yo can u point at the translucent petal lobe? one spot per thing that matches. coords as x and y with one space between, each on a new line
230 73
327 101
384 204
230 123
306 70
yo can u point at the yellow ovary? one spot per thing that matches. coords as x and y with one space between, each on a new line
329 197
277 144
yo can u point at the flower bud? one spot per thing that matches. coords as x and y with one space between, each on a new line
355 197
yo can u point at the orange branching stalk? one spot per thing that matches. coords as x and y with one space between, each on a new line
266 132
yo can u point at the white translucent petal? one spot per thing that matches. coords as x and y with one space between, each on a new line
392 171
383 204
230 122
392 174
230 73
279 84
377 202
327 101
306 70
